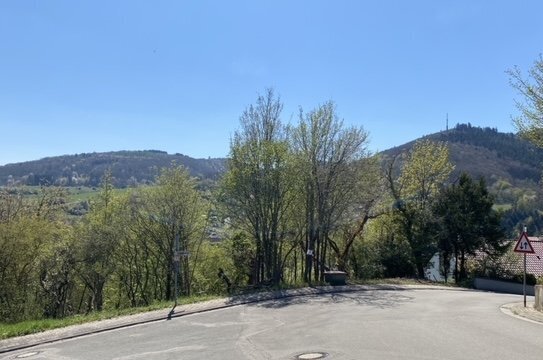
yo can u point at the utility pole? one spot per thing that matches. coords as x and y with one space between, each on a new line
176 264
176 260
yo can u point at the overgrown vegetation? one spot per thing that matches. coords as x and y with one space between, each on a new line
26 327
295 202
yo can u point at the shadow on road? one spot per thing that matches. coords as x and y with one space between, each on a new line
379 299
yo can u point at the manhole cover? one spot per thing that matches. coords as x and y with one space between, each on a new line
311 355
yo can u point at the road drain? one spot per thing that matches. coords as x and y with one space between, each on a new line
311 356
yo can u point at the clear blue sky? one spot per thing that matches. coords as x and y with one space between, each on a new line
85 76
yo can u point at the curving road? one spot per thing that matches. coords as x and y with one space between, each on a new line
382 324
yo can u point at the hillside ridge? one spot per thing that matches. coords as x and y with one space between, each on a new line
481 152
128 168
488 153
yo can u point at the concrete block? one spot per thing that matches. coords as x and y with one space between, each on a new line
538 297
335 278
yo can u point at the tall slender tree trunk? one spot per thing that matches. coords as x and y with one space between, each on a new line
462 265
456 265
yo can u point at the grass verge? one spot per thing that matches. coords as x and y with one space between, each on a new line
35 326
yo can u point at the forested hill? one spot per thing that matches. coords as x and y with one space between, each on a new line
478 151
488 153
127 167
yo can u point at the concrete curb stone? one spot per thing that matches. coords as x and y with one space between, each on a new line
70 332
528 313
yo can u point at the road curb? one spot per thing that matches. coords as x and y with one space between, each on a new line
75 331
528 313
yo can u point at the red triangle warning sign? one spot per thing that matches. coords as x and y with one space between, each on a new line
523 245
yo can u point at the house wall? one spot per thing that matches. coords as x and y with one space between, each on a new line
432 270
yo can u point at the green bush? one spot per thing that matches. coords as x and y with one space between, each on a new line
519 279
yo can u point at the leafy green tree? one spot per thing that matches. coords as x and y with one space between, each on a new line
362 205
21 241
214 270
468 223
391 250
174 209
242 252
56 264
257 189
328 163
530 121
134 277
11 204
99 236
515 219
30 230
57 275
422 175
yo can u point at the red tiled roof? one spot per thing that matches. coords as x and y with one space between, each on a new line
534 262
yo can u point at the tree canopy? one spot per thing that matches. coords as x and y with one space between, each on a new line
530 121
296 202
468 223
423 174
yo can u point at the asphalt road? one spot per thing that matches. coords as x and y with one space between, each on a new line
381 324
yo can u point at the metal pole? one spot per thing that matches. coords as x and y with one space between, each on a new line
524 276
176 273
524 282
176 266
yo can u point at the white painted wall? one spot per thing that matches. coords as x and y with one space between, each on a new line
432 271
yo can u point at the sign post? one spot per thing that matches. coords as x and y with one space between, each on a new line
524 281
523 246
176 258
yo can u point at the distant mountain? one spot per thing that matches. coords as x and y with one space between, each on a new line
485 152
127 167
479 151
